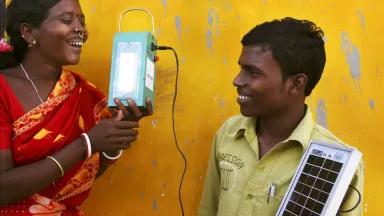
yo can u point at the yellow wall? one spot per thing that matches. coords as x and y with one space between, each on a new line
349 99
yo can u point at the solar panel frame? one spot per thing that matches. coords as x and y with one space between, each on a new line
350 160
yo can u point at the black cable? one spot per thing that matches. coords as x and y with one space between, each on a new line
355 206
173 123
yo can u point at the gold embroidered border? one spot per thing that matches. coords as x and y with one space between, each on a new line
25 122
79 190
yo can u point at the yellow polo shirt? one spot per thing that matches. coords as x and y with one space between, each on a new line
238 182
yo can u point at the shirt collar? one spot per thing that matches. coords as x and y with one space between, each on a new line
248 124
301 133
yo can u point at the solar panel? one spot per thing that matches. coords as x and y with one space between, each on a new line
321 181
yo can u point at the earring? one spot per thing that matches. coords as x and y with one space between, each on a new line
33 43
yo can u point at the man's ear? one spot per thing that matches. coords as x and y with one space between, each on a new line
298 82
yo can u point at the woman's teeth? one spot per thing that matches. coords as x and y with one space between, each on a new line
76 43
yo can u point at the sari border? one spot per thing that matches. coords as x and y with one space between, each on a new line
86 186
25 123
62 90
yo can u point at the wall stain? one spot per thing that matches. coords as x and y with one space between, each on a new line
178 26
141 195
154 163
344 99
265 2
228 5
214 20
211 14
372 104
209 39
214 23
164 3
321 114
361 16
154 205
221 103
353 56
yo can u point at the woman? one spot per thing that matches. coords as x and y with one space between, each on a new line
56 134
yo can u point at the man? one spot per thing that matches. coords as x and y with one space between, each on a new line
259 151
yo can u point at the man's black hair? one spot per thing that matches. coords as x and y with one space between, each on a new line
297 45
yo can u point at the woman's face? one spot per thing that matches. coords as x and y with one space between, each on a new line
62 34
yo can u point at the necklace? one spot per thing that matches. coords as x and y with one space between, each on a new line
33 84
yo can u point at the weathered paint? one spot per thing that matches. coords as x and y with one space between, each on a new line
321 113
360 13
211 15
164 3
208 39
165 6
206 95
352 54
178 25
154 163
154 205
372 104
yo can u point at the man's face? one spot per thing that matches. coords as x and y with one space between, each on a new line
260 86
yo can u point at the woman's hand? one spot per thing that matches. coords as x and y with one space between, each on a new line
113 134
110 135
133 113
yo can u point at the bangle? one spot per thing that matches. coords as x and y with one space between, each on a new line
87 142
58 164
107 162
115 157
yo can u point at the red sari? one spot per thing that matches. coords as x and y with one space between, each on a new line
73 107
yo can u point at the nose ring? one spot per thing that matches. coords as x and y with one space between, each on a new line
80 33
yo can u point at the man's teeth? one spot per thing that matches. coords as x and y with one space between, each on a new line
243 98
76 43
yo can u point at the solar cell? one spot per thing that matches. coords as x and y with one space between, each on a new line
321 180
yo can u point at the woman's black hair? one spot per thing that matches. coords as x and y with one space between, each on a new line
2 18
19 12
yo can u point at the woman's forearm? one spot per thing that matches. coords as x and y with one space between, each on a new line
21 182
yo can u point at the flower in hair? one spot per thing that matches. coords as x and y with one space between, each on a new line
5 47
